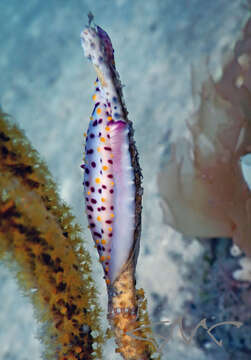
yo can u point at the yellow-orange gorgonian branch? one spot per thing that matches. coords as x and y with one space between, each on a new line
39 233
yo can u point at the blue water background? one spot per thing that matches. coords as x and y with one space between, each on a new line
47 84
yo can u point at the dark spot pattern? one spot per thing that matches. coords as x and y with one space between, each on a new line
97 234
98 160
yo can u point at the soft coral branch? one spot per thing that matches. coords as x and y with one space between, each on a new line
38 231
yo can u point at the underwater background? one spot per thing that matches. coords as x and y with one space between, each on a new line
46 86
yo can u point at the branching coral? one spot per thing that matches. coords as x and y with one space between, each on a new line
203 188
39 233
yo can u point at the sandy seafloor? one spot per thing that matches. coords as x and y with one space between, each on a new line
46 85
